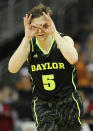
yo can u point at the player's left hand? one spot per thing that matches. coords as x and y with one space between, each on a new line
49 26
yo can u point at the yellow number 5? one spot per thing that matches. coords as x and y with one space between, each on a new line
48 82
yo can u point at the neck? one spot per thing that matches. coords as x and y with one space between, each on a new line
46 43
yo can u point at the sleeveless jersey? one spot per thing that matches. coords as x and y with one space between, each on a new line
51 74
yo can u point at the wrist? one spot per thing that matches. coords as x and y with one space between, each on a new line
55 34
26 39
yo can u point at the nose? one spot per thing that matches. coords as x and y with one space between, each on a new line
39 30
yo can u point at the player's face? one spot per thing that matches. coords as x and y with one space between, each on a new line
41 22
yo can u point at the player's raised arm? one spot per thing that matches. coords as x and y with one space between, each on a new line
65 44
22 52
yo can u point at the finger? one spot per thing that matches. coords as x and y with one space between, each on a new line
26 15
29 18
48 14
24 19
47 17
33 25
43 29
36 30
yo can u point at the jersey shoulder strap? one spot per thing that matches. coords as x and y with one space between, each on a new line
32 43
32 49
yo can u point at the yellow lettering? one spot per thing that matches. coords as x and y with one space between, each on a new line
48 66
55 65
44 66
33 67
61 66
39 67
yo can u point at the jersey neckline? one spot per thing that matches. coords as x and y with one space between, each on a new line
46 53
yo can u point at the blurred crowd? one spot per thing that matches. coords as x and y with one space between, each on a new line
15 103
84 45
8 116
85 63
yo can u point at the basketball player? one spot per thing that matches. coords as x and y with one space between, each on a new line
51 56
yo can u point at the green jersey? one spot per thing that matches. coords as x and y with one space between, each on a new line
52 75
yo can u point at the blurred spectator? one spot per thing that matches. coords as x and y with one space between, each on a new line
90 73
25 95
8 116
85 101
83 80
88 113
85 127
6 120
88 52
24 82
9 95
87 104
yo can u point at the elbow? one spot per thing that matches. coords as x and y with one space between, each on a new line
11 69
74 60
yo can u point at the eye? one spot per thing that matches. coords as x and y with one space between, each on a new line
45 26
33 27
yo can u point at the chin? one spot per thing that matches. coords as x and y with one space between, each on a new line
41 38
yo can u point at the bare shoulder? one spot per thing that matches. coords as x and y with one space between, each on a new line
68 39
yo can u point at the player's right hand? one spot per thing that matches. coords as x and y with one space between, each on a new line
30 29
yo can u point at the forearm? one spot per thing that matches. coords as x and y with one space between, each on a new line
66 46
19 56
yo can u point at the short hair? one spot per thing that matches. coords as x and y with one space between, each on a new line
38 11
